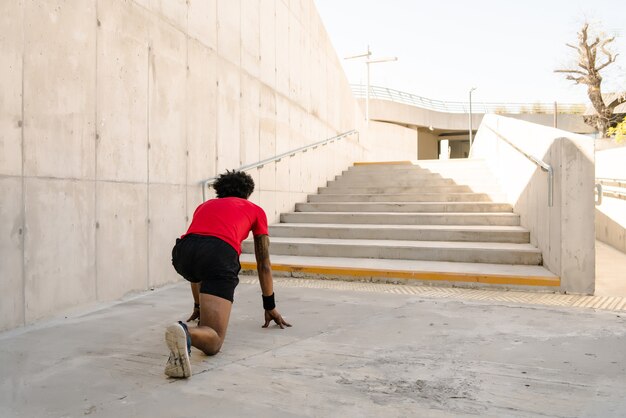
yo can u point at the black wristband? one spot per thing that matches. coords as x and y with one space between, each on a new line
196 306
268 302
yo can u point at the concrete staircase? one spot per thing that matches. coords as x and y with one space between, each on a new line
433 221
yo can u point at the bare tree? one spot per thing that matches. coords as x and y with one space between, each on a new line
588 73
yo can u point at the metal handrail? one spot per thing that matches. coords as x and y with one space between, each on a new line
259 164
384 93
610 187
620 183
539 163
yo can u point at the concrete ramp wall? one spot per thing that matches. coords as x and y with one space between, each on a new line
611 214
565 232
113 111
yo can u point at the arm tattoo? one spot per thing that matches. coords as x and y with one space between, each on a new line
262 249
263 265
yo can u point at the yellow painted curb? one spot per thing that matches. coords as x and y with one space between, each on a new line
416 275
384 163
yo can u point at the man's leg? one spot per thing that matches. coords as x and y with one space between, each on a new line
209 335
195 291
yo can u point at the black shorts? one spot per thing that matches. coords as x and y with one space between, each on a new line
209 261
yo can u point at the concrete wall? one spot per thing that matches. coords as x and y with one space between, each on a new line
428 146
113 111
459 149
564 232
603 144
611 214
401 143
610 219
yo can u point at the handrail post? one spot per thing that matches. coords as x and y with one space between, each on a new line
471 133
550 186
555 114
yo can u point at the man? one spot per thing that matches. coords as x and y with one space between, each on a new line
208 256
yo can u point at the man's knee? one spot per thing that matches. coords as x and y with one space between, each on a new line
213 348
212 351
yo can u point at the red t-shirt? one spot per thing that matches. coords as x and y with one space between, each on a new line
230 219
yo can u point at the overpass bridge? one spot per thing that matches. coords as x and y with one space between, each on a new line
435 120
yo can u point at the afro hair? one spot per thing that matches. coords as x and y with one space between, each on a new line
234 184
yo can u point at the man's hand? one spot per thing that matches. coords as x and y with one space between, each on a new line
273 315
195 315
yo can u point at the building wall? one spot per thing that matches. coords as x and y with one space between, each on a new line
459 149
113 111
428 146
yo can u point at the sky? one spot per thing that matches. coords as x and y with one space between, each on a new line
507 49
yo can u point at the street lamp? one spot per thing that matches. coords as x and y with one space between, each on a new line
367 63
470 118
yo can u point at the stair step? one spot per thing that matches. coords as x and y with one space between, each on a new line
415 169
482 168
393 165
391 218
376 190
411 207
434 221
404 197
461 175
409 182
465 252
417 176
412 271
511 234
393 181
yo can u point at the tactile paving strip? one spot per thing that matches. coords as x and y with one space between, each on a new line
609 303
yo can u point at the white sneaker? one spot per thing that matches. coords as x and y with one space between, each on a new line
178 341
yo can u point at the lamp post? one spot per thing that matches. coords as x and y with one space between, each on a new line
367 97
367 64
471 133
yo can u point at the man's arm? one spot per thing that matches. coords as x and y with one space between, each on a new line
264 268
263 265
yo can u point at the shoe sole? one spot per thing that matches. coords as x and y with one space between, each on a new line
176 340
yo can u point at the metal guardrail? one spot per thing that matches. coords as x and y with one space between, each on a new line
384 93
539 163
610 187
259 164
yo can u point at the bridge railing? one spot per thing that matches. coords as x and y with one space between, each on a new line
384 93
610 187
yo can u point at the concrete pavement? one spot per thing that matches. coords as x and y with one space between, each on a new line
610 271
350 353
